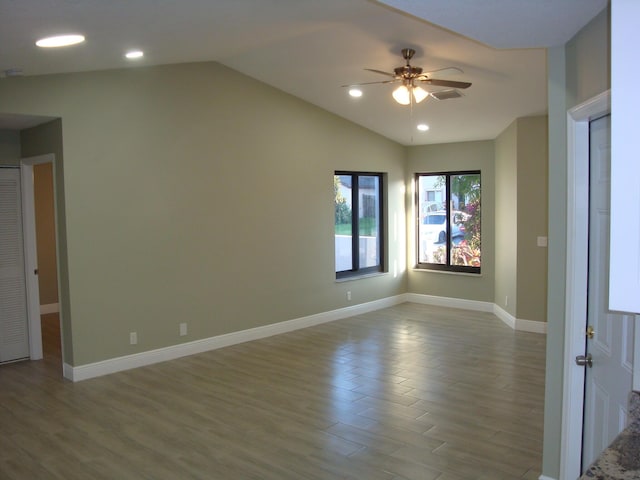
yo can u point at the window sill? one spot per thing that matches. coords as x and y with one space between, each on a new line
446 272
360 277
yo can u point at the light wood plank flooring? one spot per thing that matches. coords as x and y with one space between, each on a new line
409 392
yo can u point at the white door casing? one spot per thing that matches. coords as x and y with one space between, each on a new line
14 333
577 242
609 381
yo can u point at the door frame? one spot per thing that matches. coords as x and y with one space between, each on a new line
577 248
30 249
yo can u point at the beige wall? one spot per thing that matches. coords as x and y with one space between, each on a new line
450 157
507 219
521 217
588 67
196 194
9 147
45 233
532 219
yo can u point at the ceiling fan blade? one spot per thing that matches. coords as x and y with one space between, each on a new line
369 83
380 72
443 72
445 83
447 94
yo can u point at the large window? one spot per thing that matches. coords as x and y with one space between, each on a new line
358 223
448 221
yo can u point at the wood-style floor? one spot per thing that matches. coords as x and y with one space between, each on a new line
409 392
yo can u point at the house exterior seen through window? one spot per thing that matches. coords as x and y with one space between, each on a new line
448 211
358 223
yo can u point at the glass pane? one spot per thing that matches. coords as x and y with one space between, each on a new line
369 220
342 185
465 220
432 228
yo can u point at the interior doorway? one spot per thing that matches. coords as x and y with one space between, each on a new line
41 258
577 271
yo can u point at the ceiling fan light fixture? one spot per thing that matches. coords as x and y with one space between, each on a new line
419 94
355 92
402 95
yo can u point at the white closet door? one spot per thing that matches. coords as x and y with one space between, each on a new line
14 339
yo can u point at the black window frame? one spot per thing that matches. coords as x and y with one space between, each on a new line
355 270
447 267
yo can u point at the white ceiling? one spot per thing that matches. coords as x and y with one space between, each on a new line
309 48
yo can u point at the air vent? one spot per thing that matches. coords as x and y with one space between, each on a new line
446 94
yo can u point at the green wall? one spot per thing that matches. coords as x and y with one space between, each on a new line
9 147
577 71
521 217
588 60
451 157
506 219
195 194
532 218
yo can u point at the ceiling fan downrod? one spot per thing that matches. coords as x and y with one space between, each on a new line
407 54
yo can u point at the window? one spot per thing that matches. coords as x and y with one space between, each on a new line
358 223
448 221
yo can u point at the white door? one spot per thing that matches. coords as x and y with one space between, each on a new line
608 382
14 338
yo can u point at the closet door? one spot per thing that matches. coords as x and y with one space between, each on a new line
14 339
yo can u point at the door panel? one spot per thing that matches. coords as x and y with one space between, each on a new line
14 338
609 381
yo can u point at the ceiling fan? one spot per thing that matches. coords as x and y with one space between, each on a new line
412 77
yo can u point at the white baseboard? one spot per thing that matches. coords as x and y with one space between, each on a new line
112 365
450 302
532 326
519 324
505 316
97 369
49 308
479 306
544 477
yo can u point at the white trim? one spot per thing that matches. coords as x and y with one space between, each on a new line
479 306
450 302
31 259
113 365
533 326
576 277
84 372
505 316
67 371
49 308
544 477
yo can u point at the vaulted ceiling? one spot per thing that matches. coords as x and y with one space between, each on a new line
310 48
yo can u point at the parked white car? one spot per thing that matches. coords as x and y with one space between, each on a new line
434 227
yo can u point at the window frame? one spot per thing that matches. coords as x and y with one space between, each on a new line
446 267
355 270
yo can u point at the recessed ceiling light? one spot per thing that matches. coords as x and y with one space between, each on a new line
134 54
355 92
60 41
423 127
